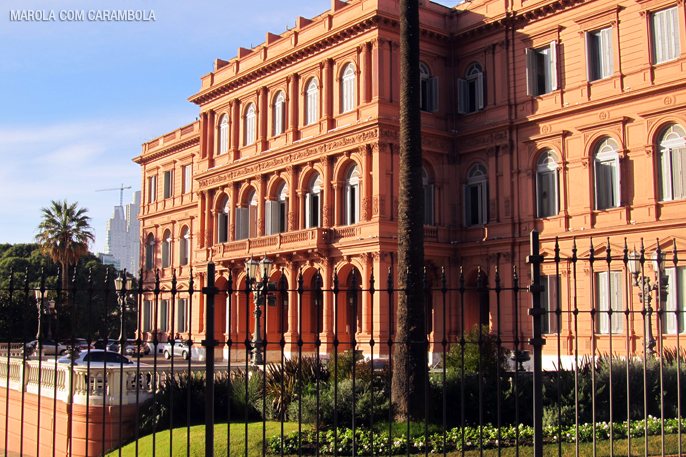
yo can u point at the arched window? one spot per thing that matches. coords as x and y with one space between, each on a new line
547 185
223 221
278 113
277 211
471 90
150 252
428 198
312 102
428 95
606 169
672 164
246 218
223 134
166 249
348 88
249 125
476 196
352 195
313 202
184 246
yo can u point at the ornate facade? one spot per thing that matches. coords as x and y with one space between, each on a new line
564 116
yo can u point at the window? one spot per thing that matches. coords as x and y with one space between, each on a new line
471 90
312 202
152 188
150 252
476 196
666 35
184 246
164 313
278 111
606 167
610 295
541 70
348 88
168 183
599 54
166 249
223 136
672 166
223 221
312 102
547 185
246 218
352 195
428 93
147 313
428 198
181 313
550 321
676 298
277 211
249 125
187 179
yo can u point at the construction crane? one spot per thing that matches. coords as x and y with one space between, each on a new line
121 192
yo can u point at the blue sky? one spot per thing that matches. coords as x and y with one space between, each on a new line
78 98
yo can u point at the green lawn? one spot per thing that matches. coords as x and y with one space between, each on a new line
273 428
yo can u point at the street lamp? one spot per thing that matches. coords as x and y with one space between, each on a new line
636 263
48 311
260 290
120 286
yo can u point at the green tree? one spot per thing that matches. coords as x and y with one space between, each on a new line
410 362
64 234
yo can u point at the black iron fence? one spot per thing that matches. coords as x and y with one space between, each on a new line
578 353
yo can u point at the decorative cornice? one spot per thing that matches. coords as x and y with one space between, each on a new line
254 74
282 161
165 151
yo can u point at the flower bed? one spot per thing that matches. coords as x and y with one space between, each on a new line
488 436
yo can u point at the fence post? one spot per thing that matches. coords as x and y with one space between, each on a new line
209 342
536 312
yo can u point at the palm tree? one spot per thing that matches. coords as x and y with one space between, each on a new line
409 361
64 234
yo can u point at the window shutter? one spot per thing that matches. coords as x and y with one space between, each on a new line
242 223
553 65
545 305
678 156
601 187
433 94
602 303
463 97
669 318
666 176
680 294
355 202
606 52
531 72
589 56
429 204
617 292
480 91
552 300
659 39
268 217
483 211
675 34
308 218
467 206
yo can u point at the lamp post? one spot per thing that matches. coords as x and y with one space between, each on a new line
259 292
48 311
636 263
120 286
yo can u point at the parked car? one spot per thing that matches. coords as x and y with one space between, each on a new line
49 347
98 358
131 348
180 349
82 344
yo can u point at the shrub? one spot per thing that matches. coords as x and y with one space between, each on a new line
480 346
283 382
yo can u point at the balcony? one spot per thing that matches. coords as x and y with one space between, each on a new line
290 241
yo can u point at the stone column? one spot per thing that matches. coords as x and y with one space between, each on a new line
235 128
327 220
260 204
292 199
263 110
293 102
233 192
327 95
364 74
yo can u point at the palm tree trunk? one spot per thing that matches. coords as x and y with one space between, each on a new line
409 358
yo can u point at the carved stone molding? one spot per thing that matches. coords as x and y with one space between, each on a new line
649 149
326 161
365 209
326 215
365 257
291 221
